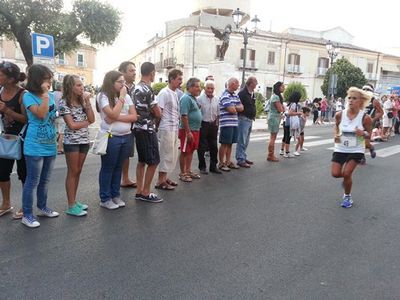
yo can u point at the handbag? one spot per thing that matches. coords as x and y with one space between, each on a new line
101 142
10 144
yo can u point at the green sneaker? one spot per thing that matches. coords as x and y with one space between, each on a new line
81 205
76 211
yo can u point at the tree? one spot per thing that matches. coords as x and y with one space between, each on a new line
98 22
158 86
260 100
348 76
295 87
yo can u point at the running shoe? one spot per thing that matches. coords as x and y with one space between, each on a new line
281 152
304 149
76 211
347 202
47 212
296 153
30 221
372 152
288 155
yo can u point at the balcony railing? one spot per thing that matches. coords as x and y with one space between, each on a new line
322 71
169 63
81 64
295 69
250 64
159 65
370 76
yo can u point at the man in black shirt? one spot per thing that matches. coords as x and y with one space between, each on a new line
246 118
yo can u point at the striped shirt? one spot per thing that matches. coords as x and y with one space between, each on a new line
227 119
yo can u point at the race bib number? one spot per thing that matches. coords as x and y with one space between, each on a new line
349 141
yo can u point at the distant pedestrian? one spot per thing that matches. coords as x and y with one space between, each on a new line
245 122
229 106
274 118
13 118
168 130
145 134
289 128
78 114
189 132
40 146
128 70
209 105
352 128
117 112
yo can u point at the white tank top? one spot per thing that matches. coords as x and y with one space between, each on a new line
349 142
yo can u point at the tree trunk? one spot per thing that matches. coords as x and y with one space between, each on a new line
24 40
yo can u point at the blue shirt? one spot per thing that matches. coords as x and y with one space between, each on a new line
227 119
40 137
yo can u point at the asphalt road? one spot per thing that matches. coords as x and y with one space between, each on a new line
274 231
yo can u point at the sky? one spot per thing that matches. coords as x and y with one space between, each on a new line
370 22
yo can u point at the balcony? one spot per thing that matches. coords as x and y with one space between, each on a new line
371 76
250 65
159 65
294 69
169 63
322 71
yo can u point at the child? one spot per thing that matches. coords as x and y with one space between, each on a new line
376 135
300 139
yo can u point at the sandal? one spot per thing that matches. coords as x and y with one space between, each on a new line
6 211
231 165
164 186
185 177
18 215
171 183
194 175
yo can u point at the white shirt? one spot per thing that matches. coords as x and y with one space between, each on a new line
209 107
169 103
349 142
118 128
387 106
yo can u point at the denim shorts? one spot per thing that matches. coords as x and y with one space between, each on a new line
228 135
81 148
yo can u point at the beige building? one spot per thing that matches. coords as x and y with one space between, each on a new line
292 55
81 62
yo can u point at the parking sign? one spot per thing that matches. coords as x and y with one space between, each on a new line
42 45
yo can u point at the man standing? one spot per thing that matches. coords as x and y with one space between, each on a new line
229 106
189 133
145 134
245 122
168 129
128 70
209 105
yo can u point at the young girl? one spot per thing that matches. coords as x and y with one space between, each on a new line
77 112
300 139
13 117
40 146
117 113
377 133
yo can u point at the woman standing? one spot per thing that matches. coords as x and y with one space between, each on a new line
117 113
13 116
77 112
40 147
387 116
353 126
274 118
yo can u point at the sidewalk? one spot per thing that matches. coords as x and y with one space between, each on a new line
260 125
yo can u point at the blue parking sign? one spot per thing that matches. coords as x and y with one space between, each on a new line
42 45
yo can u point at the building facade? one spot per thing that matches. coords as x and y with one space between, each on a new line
293 55
81 62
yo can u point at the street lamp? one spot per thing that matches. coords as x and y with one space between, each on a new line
237 19
333 51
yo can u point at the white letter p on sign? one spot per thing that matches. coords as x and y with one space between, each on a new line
42 43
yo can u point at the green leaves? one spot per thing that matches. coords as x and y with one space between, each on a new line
292 87
348 76
91 19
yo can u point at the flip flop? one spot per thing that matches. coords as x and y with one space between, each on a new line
172 183
18 215
5 211
164 186
132 185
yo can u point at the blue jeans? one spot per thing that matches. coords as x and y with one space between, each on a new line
38 173
118 149
244 130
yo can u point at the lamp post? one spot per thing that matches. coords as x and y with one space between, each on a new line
237 19
333 51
